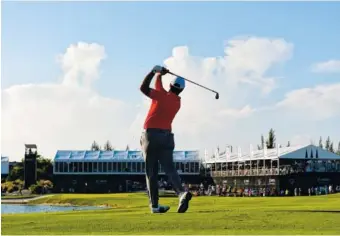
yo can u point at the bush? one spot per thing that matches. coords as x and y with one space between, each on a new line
35 189
10 187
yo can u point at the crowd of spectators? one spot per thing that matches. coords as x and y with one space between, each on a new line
224 190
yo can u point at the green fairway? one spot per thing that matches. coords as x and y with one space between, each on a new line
207 215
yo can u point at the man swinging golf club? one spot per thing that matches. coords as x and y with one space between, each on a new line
157 140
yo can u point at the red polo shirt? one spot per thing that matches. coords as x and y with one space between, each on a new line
163 109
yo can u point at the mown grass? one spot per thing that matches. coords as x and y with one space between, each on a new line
18 196
207 215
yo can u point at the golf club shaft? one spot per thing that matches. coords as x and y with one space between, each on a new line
193 82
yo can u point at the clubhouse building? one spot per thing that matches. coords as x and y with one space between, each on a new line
304 167
114 171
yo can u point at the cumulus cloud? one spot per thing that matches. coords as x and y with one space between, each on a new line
319 102
67 115
331 66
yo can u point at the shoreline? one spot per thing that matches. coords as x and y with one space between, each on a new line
53 204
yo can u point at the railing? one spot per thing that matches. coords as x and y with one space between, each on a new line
252 172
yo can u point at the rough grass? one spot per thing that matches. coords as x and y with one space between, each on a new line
207 215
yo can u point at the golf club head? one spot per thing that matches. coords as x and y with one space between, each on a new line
217 96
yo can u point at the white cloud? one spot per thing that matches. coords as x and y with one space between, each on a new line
320 102
331 66
69 115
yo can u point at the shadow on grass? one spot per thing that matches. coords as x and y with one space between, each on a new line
312 211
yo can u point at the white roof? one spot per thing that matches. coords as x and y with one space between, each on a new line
118 156
293 152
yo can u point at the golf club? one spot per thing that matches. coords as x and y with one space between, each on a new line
217 96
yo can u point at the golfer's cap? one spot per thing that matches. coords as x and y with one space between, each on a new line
178 82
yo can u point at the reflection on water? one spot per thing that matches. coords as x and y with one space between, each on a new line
15 208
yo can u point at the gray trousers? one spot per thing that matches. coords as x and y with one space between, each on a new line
157 147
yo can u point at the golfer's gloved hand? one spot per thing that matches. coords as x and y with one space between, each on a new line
160 69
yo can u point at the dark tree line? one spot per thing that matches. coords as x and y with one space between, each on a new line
271 143
329 145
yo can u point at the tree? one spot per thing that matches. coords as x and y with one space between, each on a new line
328 143
320 142
262 142
271 139
338 152
288 145
127 148
331 149
108 146
17 172
44 168
95 146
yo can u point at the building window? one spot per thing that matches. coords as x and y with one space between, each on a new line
105 167
197 167
90 167
86 167
109 167
64 165
143 167
80 166
133 167
57 167
95 167
178 166
119 167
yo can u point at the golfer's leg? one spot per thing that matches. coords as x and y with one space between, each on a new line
166 160
151 169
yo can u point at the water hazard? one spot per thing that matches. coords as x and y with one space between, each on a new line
16 208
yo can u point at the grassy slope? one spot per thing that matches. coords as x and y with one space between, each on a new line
208 215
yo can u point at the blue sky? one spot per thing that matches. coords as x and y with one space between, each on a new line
138 35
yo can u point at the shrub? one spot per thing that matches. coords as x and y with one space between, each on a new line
36 189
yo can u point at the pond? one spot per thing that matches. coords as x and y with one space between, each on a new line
16 208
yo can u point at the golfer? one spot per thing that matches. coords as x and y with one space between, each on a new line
157 140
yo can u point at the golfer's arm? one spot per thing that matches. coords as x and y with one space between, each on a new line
145 87
159 84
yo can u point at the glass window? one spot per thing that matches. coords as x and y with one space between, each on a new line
56 167
95 167
80 167
197 167
86 167
90 167
119 167
143 166
182 167
109 169
178 166
104 166
133 167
